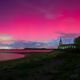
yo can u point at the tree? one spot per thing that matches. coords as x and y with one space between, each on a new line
77 42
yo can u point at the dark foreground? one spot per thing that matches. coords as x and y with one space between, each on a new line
57 65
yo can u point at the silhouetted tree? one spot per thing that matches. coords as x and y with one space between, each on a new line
77 42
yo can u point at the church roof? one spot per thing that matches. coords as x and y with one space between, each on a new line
68 45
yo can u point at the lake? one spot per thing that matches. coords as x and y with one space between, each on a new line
22 50
10 56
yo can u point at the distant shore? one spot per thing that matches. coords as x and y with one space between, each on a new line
24 50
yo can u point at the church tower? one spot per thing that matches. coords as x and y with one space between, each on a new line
60 42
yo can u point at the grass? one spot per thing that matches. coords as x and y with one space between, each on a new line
32 58
22 66
56 65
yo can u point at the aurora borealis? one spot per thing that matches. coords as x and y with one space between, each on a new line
39 20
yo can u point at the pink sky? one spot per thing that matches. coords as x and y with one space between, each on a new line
42 20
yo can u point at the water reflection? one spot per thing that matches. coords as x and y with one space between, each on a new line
10 56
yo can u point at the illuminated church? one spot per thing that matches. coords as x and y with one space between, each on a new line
66 46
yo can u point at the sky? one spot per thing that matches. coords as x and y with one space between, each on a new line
39 20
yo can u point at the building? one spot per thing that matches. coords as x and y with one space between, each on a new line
66 46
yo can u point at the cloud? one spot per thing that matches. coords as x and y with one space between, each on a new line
4 38
68 35
44 12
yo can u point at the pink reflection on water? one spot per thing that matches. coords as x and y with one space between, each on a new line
4 55
21 50
10 56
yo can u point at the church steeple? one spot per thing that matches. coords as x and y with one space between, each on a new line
60 42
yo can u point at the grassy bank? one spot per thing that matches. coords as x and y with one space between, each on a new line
28 59
55 65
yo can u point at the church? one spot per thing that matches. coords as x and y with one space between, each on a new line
66 46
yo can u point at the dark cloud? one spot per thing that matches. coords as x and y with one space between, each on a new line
68 35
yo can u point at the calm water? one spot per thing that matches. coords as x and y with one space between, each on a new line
10 56
21 50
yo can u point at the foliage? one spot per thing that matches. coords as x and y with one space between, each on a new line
77 40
